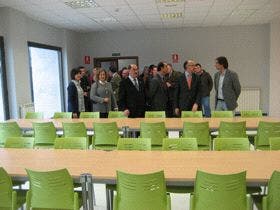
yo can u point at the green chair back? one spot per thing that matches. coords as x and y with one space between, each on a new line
44 133
156 131
179 144
9 129
74 129
71 143
240 144
105 135
200 131
274 143
51 190
19 142
34 115
155 114
222 114
8 198
191 114
141 191
272 200
66 115
213 192
264 132
251 113
232 129
143 144
89 115
115 114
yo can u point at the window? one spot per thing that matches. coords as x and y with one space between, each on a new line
46 78
4 109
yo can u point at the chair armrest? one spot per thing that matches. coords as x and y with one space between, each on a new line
249 202
264 203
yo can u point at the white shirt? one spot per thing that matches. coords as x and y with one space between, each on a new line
220 86
133 81
80 91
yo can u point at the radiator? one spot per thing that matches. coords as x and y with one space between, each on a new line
249 99
24 108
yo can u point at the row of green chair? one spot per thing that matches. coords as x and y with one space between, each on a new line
148 114
106 134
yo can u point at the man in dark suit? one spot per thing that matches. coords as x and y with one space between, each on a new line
171 80
132 94
187 92
158 90
227 86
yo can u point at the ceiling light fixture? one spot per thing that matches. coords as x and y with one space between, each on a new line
173 15
168 1
78 4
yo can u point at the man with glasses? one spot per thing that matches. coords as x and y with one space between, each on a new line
187 92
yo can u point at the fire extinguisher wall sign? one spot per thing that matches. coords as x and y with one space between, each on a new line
87 59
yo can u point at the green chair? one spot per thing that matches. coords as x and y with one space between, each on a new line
74 129
34 115
44 134
274 143
65 115
9 129
106 136
141 191
223 144
9 199
115 114
191 114
51 190
71 143
272 200
200 131
89 115
265 131
222 114
232 129
179 144
220 192
142 144
155 114
19 142
156 131
251 113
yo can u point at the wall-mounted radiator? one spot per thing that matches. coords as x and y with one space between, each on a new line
26 108
249 99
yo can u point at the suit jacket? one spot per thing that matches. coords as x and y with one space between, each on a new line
231 88
97 94
73 103
158 94
185 98
173 80
132 99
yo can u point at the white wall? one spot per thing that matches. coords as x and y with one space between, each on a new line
274 89
17 30
246 47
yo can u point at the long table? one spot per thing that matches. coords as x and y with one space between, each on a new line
179 167
172 124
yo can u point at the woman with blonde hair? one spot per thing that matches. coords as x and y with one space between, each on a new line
102 95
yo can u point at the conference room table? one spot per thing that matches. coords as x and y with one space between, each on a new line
133 124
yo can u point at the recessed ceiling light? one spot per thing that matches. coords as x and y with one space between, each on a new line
78 4
173 15
169 1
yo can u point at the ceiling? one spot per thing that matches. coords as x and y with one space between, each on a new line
109 15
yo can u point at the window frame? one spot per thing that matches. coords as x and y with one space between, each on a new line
4 81
61 70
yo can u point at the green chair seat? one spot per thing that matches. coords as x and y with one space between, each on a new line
222 114
274 143
141 144
89 115
179 144
44 134
9 129
191 114
141 191
116 114
19 142
34 115
65 115
228 144
251 113
155 114
71 143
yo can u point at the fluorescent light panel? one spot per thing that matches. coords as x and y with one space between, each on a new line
173 15
169 1
78 4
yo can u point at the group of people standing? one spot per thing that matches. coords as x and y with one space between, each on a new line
158 88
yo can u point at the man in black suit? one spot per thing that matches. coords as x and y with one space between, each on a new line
158 93
132 94
187 91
